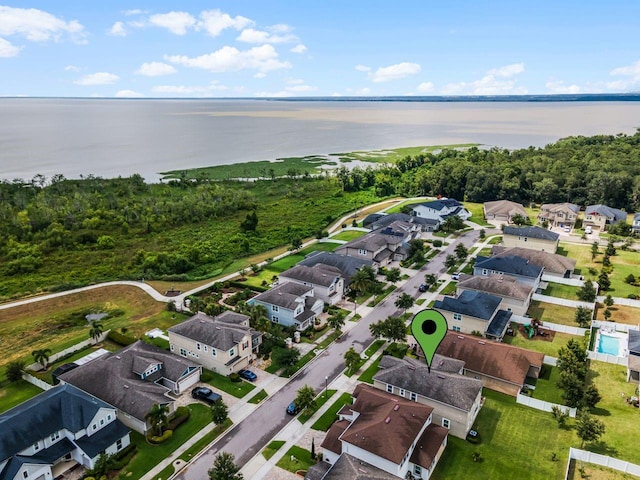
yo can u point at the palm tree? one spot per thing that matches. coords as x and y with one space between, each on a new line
258 318
361 281
95 330
157 417
41 356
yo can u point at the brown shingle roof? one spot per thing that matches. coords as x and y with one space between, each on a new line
501 285
551 262
351 468
428 445
504 207
387 425
332 441
510 364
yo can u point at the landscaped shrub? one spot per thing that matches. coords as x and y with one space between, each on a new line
123 457
632 296
234 377
182 415
162 438
206 376
437 243
398 350
120 338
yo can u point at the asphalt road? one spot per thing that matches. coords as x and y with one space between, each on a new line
252 434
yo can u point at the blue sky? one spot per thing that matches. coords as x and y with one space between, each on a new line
317 48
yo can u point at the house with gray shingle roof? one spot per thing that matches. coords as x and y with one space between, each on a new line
515 296
290 304
346 264
635 226
224 344
55 431
474 311
633 358
134 379
377 221
440 210
535 238
559 214
602 216
553 264
455 399
327 281
518 268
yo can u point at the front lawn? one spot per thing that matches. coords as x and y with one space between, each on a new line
12 394
373 348
271 449
540 344
549 312
368 374
449 288
326 420
295 459
237 389
477 213
348 235
321 399
258 397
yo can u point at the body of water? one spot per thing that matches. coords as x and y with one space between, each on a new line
109 138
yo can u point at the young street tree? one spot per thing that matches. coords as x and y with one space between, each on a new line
588 428
41 356
404 301
305 399
219 412
393 275
393 328
461 251
351 361
450 261
224 468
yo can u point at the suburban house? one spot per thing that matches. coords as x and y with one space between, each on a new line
327 281
455 399
440 209
499 366
346 264
347 467
290 304
601 216
515 296
534 238
554 265
54 432
382 246
224 344
388 432
474 311
633 360
518 268
376 221
635 227
134 379
559 214
503 211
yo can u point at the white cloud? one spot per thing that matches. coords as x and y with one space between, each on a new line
214 22
117 30
274 34
631 83
135 11
72 68
289 91
37 25
394 72
425 87
189 90
7 49
260 75
559 87
632 70
99 78
155 69
230 59
363 68
507 71
295 81
175 22
363 91
128 94
300 48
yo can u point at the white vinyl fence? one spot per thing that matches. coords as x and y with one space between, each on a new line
574 282
556 327
603 357
542 405
36 381
612 326
603 460
34 367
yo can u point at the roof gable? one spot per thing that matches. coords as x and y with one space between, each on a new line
211 331
286 295
551 262
318 274
532 232
472 303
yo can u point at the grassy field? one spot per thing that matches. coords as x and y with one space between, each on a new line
549 312
12 394
538 344
595 472
348 235
477 213
398 207
620 314
46 324
271 449
561 291
392 155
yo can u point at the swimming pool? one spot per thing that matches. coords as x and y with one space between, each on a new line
608 344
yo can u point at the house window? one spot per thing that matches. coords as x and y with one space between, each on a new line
390 388
25 474
109 417
525 239
362 251
213 351
401 392
413 397
484 271
245 344
417 470
446 423
332 288
232 352
457 316
197 346
119 444
455 329
274 319
56 436
274 308
101 421
36 447
183 352
205 348
94 426
171 347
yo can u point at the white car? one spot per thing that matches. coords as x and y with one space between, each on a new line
587 229
567 229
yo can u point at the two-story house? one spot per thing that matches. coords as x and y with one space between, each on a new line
534 238
554 265
376 221
474 311
223 344
601 216
290 304
635 227
503 211
515 296
346 264
440 209
455 399
134 379
559 214
56 431
520 269
499 366
382 246
633 359
327 281
387 432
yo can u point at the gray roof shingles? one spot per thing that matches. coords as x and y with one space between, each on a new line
614 214
500 285
532 232
319 274
472 303
211 331
509 264
347 265
285 295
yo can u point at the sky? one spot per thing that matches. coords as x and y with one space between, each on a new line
301 48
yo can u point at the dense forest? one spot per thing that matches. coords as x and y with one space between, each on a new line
59 233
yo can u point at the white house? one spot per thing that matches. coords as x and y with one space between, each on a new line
327 281
290 304
55 431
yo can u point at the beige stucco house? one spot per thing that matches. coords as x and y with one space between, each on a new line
503 210
559 214
327 281
534 238
516 296
602 216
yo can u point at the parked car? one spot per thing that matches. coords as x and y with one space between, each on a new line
567 229
455 276
248 375
587 229
423 287
205 394
292 409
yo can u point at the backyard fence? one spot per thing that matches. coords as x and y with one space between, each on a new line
37 382
602 460
54 357
542 405
613 326
603 357
574 282
548 360
556 327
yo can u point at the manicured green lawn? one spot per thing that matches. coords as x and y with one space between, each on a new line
321 399
12 394
495 240
301 460
546 386
205 440
373 348
549 312
398 207
326 420
449 288
538 344
271 449
289 261
561 291
516 442
367 375
237 389
348 235
258 397
477 213
149 456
